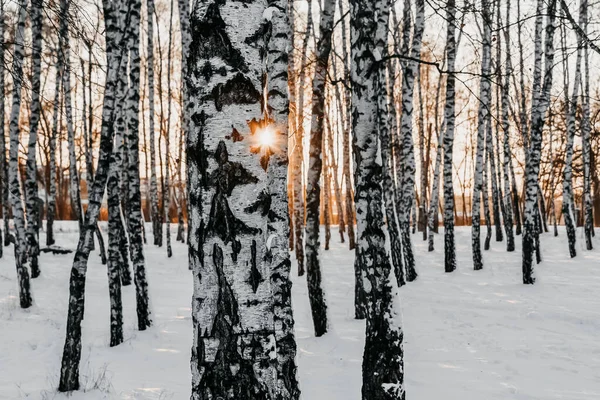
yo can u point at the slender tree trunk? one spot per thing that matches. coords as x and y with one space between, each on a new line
313 267
184 26
74 182
298 159
538 112
13 170
485 192
31 189
3 168
410 70
482 118
385 140
347 154
507 154
156 218
585 134
167 186
448 139
114 239
570 116
279 44
136 220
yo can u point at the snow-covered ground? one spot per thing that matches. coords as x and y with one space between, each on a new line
468 335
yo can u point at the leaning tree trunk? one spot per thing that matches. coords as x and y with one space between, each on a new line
532 167
116 44
155 215
31 195
448 139
13 170
383 364
231 207
313 267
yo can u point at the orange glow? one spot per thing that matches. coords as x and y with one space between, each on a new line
266 136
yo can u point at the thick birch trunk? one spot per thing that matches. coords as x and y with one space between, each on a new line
231 245
383 364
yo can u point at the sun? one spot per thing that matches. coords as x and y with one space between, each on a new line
266 136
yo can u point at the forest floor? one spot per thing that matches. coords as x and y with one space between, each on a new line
469 335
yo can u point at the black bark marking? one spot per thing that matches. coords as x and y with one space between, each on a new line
255 277
210 39
219 379
208 71
225 178
262 204
235 136
237 90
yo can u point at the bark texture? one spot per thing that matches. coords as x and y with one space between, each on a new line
233 237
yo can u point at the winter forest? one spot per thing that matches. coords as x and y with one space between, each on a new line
299 199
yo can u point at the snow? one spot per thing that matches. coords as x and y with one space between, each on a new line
478 335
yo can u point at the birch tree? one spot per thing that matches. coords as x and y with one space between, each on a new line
448 139
134 202
14 182
279 42
117 15
570 116
507 154
315 166
3 183
156 217
383 373
585 136
540 103
231 146
410 69
482 119
31 189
